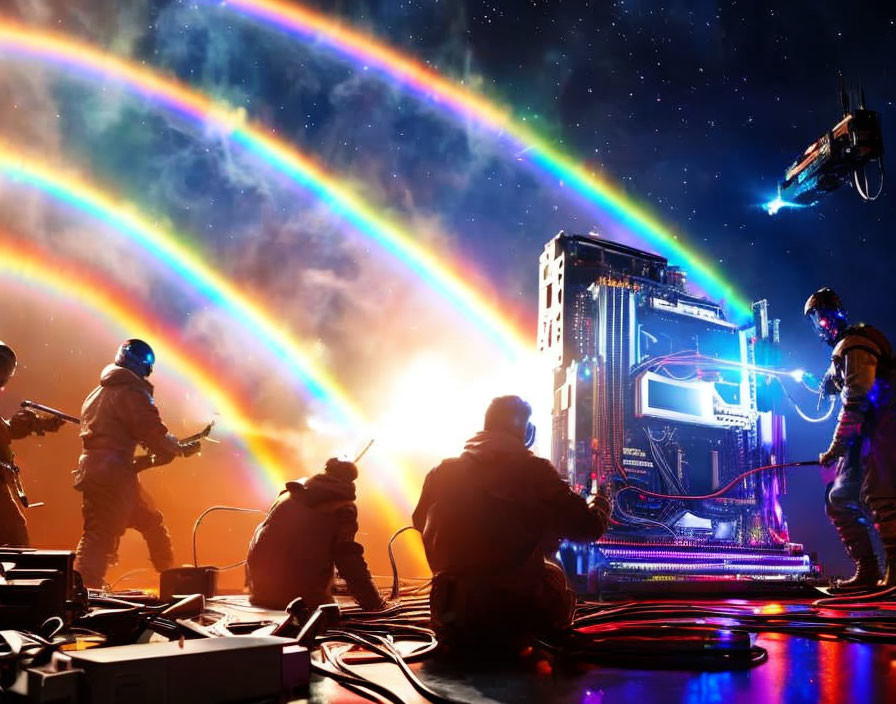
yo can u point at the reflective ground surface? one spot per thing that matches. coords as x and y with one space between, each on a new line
798 670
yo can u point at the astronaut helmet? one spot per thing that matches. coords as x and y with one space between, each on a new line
826 314
8 363
137 356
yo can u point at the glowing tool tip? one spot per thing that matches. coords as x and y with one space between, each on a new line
774 205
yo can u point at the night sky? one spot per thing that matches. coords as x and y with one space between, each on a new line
694 108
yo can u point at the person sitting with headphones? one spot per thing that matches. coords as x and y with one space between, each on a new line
488 518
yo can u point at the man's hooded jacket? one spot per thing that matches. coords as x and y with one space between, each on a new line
116 417
309 530
495 509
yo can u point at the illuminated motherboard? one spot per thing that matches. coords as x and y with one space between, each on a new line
655 391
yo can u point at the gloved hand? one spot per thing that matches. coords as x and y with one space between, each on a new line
49 424
191 448
830 386
829 457
601 503
24 422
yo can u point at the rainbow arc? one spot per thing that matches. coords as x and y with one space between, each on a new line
70 188
366 218
454 98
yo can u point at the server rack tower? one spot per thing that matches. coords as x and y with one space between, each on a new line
654 388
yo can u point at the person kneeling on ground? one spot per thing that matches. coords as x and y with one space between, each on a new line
487 519
309 530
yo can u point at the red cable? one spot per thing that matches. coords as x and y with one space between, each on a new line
725 489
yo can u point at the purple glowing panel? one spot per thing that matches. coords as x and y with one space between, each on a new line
709 568
680 556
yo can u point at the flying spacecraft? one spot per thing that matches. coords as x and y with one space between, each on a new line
839 155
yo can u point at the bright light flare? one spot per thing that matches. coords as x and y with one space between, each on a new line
774 205
427 409
437 402
798 375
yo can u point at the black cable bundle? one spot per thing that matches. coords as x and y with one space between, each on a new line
379 633
645 634
868 617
